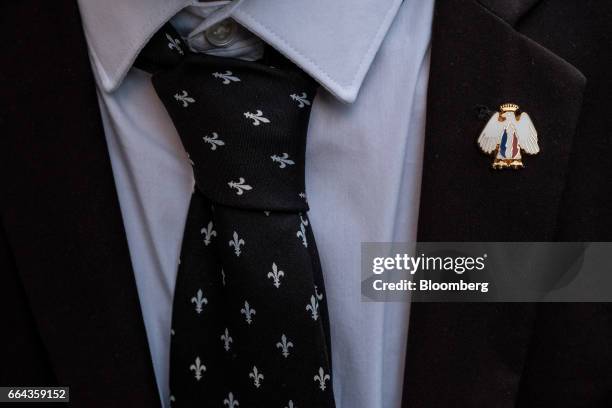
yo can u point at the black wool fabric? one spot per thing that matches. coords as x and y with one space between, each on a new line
250 324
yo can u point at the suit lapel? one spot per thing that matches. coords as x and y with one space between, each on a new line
63 221
476 351
477 59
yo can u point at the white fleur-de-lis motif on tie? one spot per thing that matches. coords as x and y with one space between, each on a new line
282 160
267 213
284 345
198 368
247 311
257 117
227 77
313 307
300 99
290 404
230 401
227 339
199 301
236 242
256 376
276 274
213 140
321 378
184 98
208 233
239 186
223 277
317 294
174 44
302 232
172 400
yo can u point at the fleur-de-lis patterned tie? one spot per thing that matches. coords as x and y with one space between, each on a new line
250 325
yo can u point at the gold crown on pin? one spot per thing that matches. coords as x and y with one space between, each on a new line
509 107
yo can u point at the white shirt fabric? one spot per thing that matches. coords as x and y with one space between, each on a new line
364 156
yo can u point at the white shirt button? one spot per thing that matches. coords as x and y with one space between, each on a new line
221 34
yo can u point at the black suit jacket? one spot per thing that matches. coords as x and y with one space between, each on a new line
69 309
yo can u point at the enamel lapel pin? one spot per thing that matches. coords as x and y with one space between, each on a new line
507 133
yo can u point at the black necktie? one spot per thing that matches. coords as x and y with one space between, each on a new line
250 324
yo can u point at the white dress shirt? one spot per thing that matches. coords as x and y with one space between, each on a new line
363 160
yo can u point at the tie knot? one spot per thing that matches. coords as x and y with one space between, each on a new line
244 127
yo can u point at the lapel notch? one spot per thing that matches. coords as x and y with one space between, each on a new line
510 11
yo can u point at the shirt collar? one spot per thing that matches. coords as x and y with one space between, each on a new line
334 42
